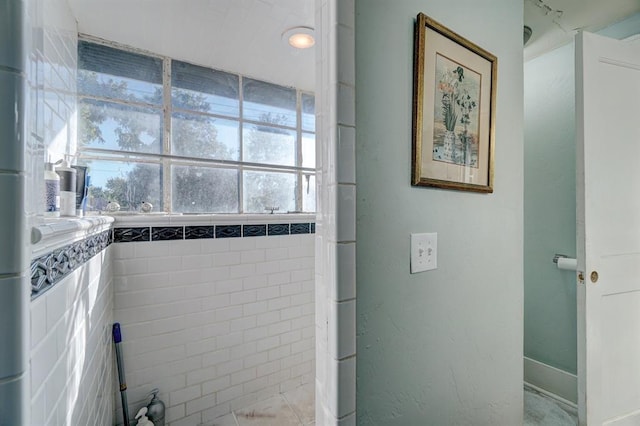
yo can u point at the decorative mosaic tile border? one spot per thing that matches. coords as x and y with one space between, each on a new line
166 233
52 267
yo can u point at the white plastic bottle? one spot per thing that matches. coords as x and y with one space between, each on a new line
51 191
67 188
142 418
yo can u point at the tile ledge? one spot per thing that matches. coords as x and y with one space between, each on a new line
51 233
133 220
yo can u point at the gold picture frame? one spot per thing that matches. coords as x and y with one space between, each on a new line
454 101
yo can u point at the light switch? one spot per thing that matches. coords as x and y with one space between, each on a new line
424 252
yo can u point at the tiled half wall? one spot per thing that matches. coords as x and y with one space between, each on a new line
216 316
71 352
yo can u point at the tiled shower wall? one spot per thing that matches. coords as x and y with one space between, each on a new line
261 344
59 76
336 242
52 93
71 348
216 324
14 356
71 351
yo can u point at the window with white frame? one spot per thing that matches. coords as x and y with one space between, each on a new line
191 139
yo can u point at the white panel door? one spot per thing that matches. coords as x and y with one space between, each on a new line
608 230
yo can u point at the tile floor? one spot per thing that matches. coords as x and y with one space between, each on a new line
297 408
293 408
542 410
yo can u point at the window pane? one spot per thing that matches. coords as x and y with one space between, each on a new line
308 150
268 103
203 136
112 73
121 127
204 190
203 89
308 112
130 184
269 145
269 189
308 193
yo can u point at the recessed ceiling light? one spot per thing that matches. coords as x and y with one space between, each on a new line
299 37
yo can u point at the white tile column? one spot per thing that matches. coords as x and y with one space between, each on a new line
14 284
336 238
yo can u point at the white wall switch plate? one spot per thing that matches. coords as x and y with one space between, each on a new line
424 252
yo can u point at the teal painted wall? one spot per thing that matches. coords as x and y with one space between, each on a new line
442 347
623 29
549 202
549 209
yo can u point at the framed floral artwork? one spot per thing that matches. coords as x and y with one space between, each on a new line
454 104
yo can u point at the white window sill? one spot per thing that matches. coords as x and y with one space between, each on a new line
123 219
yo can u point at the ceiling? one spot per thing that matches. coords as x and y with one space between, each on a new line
555 22
242 36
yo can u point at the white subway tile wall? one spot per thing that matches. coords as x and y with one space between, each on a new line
216 324
71 348
336 219
59 69
51 76
34 143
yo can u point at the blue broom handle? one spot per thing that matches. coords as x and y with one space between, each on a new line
117 340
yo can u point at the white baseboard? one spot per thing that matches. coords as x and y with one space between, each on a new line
552 380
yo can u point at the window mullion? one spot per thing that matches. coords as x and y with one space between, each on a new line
166 134
300 183
241 135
